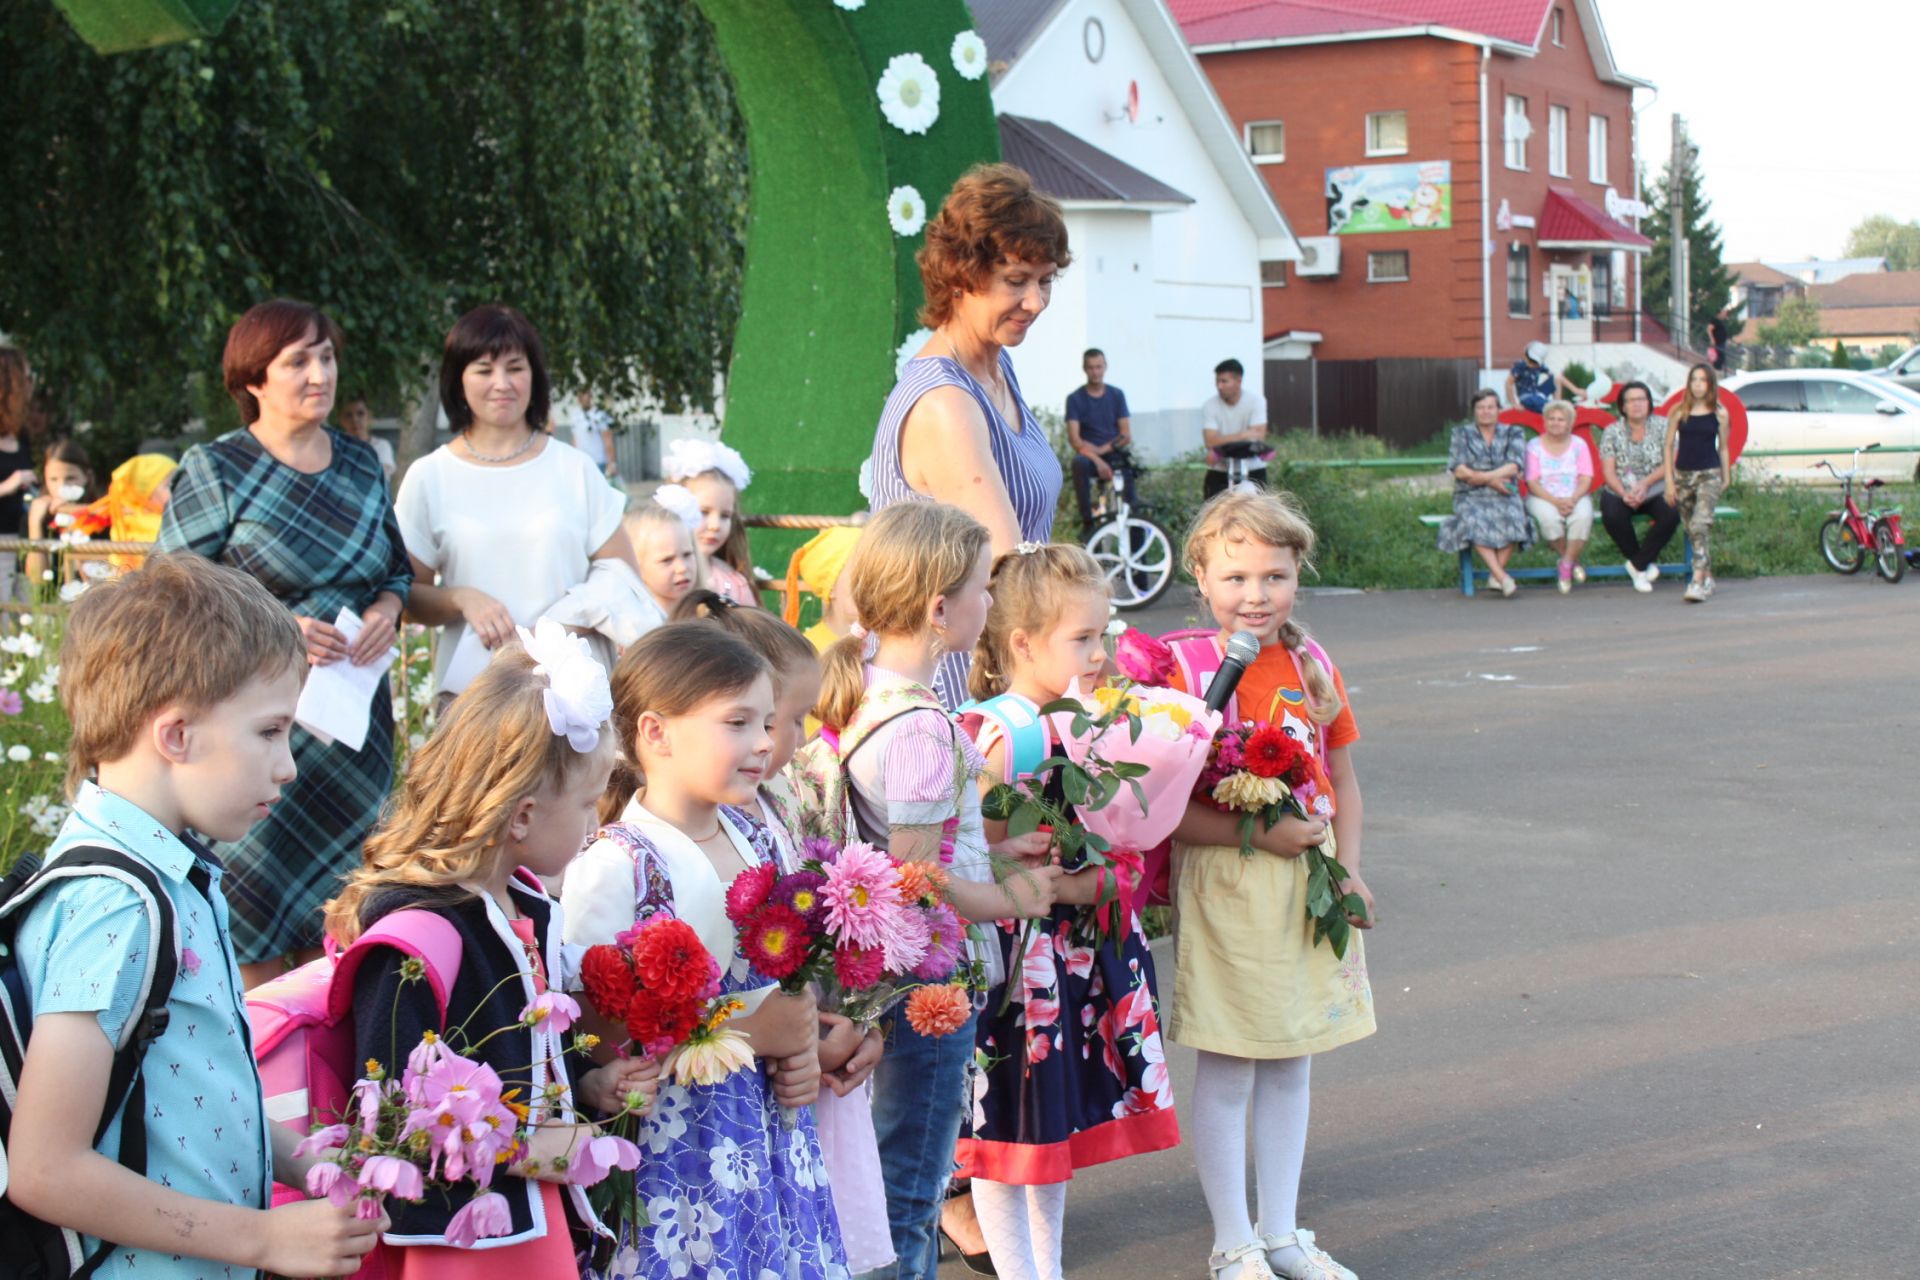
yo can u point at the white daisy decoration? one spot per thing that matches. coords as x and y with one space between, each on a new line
969 55
906 211
909 349
850 5
909 93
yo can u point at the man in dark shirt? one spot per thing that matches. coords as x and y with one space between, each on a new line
1098 426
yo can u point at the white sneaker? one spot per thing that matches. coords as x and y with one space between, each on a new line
1695 593
1706 588
1315 1265
1641 581
1653 573
1580 574
1247 1262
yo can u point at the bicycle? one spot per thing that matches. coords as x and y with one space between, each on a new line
1847 533
1135 553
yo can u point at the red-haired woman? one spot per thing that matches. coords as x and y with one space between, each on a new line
304 509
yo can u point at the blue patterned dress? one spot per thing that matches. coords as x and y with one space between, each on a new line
319 542
731 1192
1025 457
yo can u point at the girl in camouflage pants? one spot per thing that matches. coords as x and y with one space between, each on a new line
1699 459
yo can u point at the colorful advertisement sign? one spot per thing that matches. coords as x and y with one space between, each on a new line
1367 198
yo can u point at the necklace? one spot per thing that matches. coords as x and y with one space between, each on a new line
478 456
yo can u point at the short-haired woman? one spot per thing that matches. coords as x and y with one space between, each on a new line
1633 467
1700 460
1485 458
304 509
505 519
955 429
1559 477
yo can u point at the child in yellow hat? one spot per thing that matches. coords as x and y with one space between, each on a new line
814 569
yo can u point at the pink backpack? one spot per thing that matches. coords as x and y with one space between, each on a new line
303 1026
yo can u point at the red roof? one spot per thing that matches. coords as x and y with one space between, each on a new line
1568 221
1207 22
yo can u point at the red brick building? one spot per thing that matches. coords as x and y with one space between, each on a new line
1462 173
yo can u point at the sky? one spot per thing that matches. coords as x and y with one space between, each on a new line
1803 113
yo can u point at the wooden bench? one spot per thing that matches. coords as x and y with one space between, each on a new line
1471 568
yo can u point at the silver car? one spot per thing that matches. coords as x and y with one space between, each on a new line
1833 412
1905 370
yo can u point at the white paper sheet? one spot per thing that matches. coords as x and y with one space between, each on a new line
337 702
470 658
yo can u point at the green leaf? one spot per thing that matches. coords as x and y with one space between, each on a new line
1354 905
1025 820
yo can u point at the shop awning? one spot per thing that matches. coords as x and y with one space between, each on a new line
1568 222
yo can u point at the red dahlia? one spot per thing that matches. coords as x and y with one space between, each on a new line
670 960
1271 753
657 1025
608 980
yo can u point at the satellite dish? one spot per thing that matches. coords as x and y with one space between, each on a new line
1133 102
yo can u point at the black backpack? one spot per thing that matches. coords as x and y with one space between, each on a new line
32 1249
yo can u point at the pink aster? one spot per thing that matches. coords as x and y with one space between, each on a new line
483 1216
946 944
904 937
857 968
748 890
861 893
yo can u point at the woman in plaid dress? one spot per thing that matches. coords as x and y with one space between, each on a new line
304 509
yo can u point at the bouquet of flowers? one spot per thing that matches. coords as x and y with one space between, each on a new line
660 982
447 1120
1263 774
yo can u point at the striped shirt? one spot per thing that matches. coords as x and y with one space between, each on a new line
1028 468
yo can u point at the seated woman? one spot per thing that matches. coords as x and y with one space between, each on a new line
1633 466
1485 458
1559 477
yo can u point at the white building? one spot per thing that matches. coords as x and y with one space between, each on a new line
1168 219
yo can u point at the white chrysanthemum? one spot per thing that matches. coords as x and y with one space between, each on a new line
909 93
910 348
969 55
906 211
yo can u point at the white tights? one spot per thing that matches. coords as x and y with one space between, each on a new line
1022 1226
1225 1090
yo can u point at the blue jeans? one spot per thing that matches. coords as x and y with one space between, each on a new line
918 1095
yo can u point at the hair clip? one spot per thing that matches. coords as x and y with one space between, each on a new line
1029 548
577 697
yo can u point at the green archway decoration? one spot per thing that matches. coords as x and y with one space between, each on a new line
831 289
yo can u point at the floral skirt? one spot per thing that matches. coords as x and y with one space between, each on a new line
1484 518
1073 1073
1250 981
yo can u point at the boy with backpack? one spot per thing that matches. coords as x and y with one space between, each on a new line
138 1118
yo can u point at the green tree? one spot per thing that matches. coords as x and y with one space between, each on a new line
1883 237
1841 360
395 161
1796 324
1711 284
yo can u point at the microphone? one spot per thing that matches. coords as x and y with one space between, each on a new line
1242 649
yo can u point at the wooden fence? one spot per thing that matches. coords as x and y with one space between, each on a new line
1403 401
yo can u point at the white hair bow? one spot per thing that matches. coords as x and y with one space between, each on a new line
679 499
578 697
687 458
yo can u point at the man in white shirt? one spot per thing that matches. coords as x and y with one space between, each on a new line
593 433
1234 422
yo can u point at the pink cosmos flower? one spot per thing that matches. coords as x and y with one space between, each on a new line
553 1010
946 944
598 1157
330 1180
393 1176
10 703
484 1215
861 891
320 1139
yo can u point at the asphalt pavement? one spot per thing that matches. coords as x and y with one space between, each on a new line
1648 962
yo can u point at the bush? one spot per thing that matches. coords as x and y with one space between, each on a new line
1841 360
1579 375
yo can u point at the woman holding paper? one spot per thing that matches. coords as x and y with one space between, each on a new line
504 520
304 509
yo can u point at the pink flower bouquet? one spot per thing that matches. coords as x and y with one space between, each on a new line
1174 735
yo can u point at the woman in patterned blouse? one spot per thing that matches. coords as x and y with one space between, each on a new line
305 509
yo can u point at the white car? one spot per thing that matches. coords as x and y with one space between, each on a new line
1834 411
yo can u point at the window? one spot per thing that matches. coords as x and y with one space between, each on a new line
1763 300
1267 141
1772 397
1827 395
1560 27
1273 274
1519 129
1602 291
1618 274
1387 265
1519 280
1597 149
1557 141
1387 133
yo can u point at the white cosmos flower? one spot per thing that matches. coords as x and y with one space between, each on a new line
969 55
19 753
908 349
909 93
906 211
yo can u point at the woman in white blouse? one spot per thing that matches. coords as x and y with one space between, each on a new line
504 520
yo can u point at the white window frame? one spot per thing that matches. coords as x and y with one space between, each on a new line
1405 129
1266 157
1515 145
1557 120
1559 26
1375 255
1597 141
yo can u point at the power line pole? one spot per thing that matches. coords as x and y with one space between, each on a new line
1679 266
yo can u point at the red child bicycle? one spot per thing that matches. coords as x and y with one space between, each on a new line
1846 535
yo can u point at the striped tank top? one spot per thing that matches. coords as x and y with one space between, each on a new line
1028 467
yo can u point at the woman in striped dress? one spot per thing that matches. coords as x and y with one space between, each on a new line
955 429
304 509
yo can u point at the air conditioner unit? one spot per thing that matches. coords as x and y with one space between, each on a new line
1319 257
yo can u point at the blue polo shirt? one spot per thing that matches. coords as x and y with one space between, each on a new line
83 945
1098 416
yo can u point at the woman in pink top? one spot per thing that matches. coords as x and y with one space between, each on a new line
1559 478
